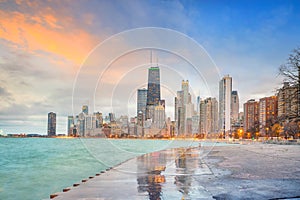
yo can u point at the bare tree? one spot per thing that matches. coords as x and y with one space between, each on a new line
291 71
291 129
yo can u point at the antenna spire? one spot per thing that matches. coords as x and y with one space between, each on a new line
151 57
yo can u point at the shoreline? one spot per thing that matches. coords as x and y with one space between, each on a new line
228 141
75 185
229 171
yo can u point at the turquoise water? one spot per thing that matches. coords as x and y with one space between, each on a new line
34 168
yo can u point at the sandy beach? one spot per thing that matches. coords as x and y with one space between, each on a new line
252 171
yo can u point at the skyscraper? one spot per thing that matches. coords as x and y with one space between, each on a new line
70 125
184 109
287 101
234 107
112 117
85 109
51 124
81 124
185 89
179 113
225 90
198 105
90 122
99 119
268 111
153 92
141 101
209 116
251 116
159 117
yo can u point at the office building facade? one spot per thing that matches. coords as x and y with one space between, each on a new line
234 107
183 108
225 90
70 125
208 116
287 102
153 91
159 119
251 116
142 101
51 124
268 111
85 109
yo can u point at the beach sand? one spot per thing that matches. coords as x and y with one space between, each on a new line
253 171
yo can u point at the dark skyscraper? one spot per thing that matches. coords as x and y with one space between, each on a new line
141 101
153 93
51 124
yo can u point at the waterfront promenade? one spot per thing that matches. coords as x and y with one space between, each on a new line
252 171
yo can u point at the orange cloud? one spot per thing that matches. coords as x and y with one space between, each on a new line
44 32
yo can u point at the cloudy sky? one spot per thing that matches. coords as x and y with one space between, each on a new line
57 55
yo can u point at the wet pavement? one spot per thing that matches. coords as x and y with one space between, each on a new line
223 172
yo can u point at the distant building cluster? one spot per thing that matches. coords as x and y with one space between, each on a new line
208 118
274 116
150 120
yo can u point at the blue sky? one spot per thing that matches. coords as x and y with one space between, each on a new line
44 43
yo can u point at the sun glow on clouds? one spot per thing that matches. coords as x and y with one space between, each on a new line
46 33
44 43
40 53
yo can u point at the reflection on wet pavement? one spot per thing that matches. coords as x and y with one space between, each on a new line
149 177
180 163
198 173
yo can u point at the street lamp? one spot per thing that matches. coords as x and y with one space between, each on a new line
240 133
267 132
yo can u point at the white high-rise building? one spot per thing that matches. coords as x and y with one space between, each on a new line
185 89
90 122
189 110
195 123
184 109
179 113
159 117
225 90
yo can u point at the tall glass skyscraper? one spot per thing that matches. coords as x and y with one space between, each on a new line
141 101
153 93
234 107
70 125
51 124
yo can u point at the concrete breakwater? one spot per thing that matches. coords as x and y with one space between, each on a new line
255 171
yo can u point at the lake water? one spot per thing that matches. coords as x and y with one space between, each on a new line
34 168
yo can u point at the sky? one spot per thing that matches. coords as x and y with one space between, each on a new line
58 55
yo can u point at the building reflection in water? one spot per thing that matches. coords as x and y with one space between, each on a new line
150 167
149 177
186 162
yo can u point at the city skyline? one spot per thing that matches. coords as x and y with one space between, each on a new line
42 47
